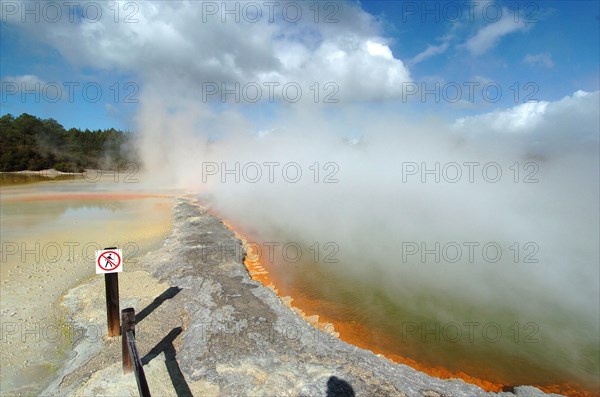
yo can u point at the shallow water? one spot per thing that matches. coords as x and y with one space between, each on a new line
49 233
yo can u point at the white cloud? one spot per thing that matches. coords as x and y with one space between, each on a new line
520 118
378 49
176 46
363 69
429 52
544 59
29 80
26 83
490 35
571 121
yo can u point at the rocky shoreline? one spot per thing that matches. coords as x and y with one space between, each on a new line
205 328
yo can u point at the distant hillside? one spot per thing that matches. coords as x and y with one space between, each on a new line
30 143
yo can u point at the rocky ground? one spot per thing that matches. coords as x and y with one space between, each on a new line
204 328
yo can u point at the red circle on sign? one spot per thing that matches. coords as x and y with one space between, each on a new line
116 265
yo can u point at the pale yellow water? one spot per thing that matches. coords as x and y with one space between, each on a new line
49 233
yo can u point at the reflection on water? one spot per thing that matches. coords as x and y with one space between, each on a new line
34 186
18 217
11 178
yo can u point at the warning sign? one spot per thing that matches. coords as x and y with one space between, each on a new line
109 261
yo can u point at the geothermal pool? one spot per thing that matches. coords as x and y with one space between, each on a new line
492 346
50 229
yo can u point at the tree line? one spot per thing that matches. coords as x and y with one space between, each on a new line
30 143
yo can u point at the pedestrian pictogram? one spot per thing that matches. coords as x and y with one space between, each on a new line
109 261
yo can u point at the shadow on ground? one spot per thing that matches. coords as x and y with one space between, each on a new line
168 294
337 387
166 345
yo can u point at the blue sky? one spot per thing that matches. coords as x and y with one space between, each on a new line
77 107
547 50
558 52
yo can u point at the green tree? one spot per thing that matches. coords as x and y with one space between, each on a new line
30 143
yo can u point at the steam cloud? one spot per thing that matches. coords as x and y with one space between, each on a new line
378 209
379 201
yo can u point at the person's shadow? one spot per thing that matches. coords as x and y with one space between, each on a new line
337 387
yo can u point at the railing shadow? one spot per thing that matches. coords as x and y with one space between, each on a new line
166 345
167 294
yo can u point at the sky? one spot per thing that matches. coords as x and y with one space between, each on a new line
90 64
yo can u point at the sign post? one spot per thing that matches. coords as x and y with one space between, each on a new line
109 262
